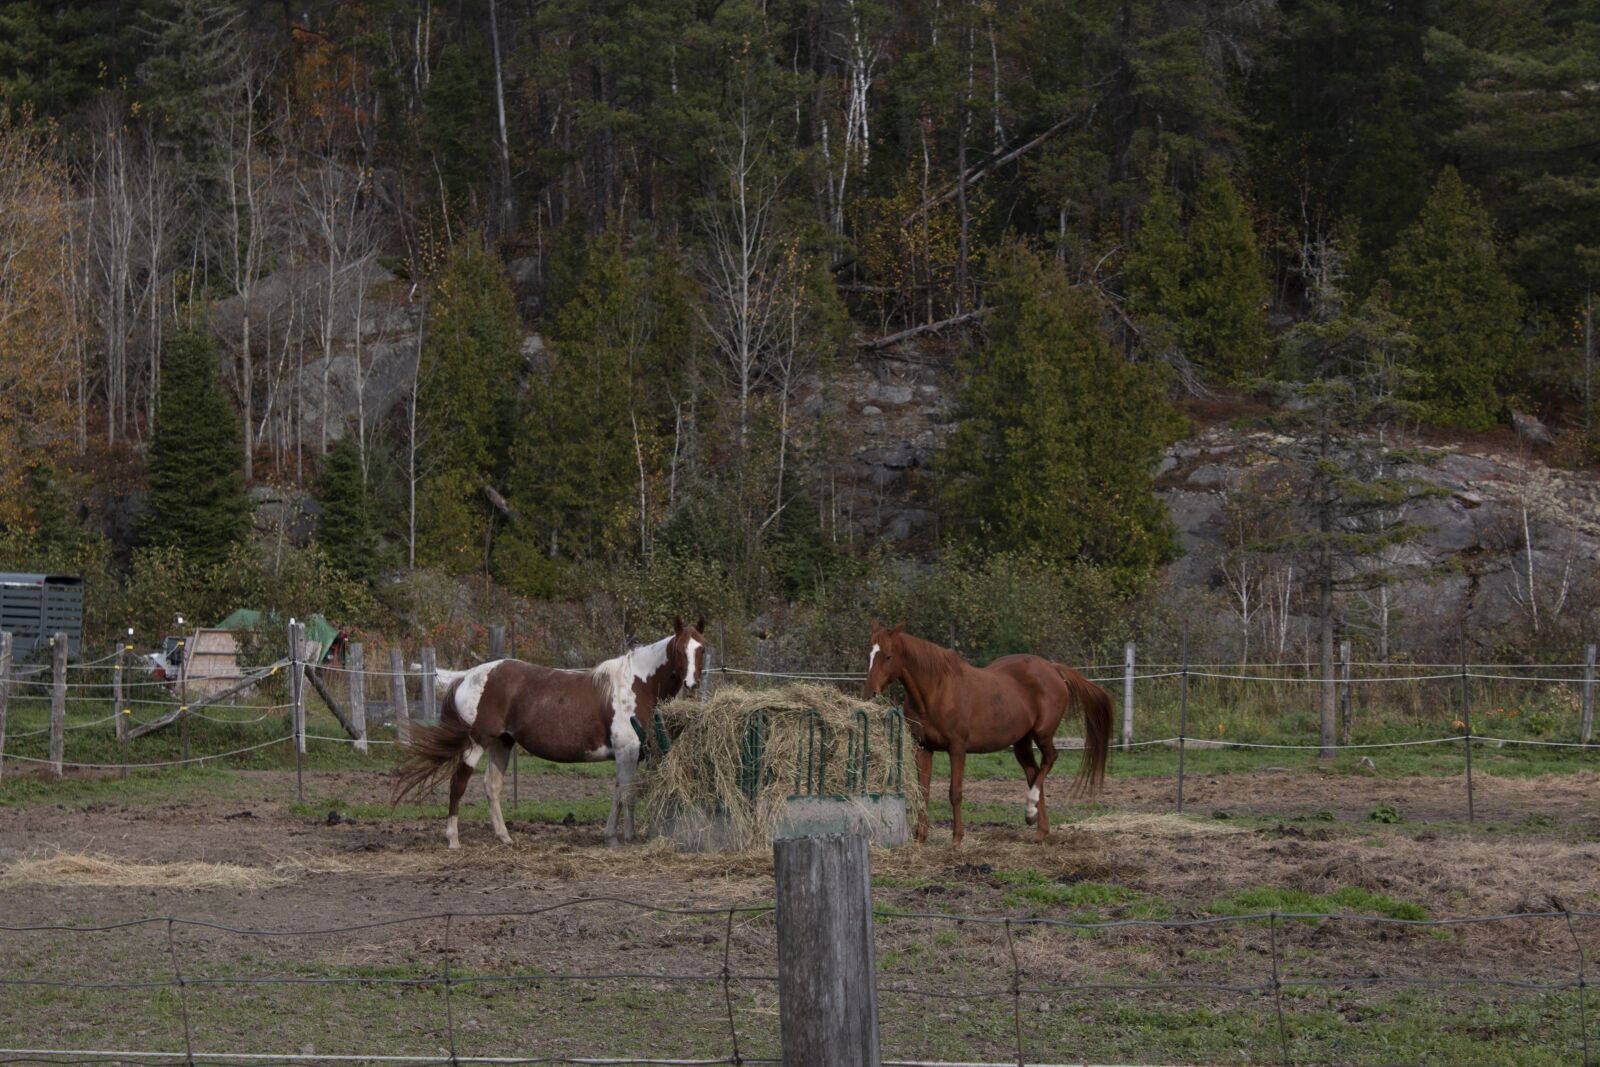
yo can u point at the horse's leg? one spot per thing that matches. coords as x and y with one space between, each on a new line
1047 753
1030 767
458 787
958 770
925 781
494 775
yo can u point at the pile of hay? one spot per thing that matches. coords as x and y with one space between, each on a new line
701 771
65 869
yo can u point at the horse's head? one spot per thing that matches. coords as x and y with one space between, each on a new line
686 655
882 665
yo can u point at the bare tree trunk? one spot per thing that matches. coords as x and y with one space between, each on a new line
505 211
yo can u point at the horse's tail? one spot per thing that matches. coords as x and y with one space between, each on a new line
1095 704
432 752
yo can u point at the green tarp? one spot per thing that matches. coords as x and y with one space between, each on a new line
318 629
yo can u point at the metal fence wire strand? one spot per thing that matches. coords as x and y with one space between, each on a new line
183 996
1016 990
727 985
1583 1006
449 1005
1277 996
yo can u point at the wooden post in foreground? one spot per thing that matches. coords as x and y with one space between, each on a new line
1129 654
397 696
827 991
58 702
497 643
355 665
1586 717
5 693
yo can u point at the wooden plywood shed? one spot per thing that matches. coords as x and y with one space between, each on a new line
34 606
211 663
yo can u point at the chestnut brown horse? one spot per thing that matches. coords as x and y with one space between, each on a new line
1016 702
563 716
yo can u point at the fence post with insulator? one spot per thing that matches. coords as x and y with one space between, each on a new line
355 670
1129 654
5 692
58 702
397 696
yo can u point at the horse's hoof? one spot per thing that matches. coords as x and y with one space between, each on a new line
505 839
1030 819
453 845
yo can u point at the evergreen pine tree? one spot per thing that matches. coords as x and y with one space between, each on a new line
576 463
345 528
1200 296
1458 303
1225 292
1058 435
1155 269
197 503
466 404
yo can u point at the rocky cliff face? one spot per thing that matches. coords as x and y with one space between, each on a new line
1509 540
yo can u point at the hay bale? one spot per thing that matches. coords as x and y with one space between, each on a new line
701 773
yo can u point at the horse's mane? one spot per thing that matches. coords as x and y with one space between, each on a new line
614 678
928 658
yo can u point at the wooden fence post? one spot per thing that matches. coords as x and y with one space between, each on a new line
1183 713
397 696
1586 717
355 666
429 712
183 694
1344 697
827 989
297 709
1129 655
58 702
497 643
1466 730
119 710
5 693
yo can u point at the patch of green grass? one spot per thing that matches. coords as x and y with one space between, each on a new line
1084 901
1349 900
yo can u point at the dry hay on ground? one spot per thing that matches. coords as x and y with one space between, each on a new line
1155 824
64 870
701 771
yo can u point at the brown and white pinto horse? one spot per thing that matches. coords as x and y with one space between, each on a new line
1015 702
567 717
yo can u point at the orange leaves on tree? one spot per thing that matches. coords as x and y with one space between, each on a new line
39 326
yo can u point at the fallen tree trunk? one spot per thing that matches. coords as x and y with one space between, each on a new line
222 694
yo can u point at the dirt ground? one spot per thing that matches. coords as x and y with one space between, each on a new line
270 868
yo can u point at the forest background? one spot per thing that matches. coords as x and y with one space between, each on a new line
430 315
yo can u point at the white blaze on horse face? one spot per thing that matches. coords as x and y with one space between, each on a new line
871 657
470 690
694 646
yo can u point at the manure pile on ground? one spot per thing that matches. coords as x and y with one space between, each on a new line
702 772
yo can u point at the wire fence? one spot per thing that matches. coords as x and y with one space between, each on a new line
103 717
725 1012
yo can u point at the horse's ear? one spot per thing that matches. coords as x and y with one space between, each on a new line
700 624
677 624
901 628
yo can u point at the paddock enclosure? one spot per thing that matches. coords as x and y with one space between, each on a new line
262 904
